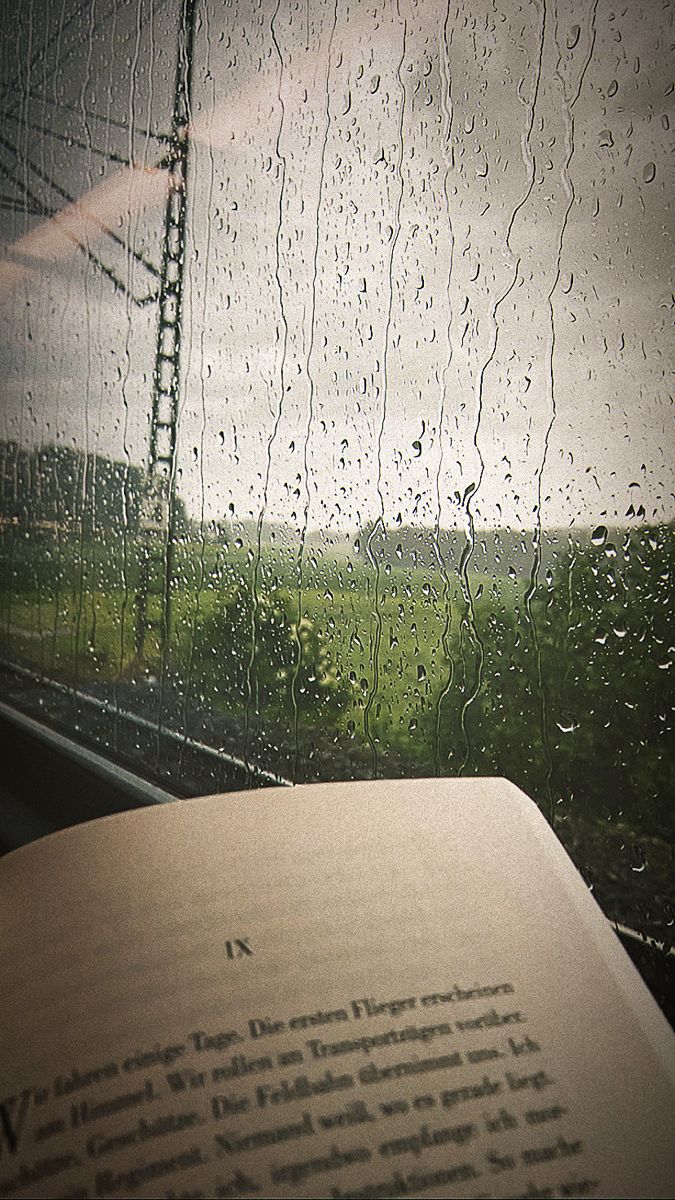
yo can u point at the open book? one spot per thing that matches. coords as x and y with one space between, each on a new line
360 989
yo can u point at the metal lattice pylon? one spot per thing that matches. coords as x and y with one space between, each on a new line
157 515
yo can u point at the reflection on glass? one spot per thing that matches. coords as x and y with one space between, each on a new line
334 431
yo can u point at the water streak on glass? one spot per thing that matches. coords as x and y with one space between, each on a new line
379 524
448 113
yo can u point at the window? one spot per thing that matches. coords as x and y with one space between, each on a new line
334 432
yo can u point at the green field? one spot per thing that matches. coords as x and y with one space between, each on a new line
385 660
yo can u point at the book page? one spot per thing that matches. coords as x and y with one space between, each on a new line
396 988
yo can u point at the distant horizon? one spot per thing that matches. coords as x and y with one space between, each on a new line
347 530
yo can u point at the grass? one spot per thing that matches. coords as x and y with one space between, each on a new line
393 668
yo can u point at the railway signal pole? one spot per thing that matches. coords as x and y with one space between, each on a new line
158 504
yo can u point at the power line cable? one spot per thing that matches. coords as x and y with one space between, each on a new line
41 54
37 207
85 115
110 155
46 211
16 205
140 258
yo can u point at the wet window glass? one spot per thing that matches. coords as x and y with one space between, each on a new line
334 432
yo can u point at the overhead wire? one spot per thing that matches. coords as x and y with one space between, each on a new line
65 195
38 207
87 115
39 57
16 205
69 141
46 210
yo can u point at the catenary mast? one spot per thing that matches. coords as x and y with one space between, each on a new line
158 509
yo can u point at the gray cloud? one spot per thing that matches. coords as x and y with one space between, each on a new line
416 267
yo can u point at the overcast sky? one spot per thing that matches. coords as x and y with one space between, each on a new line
427 271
